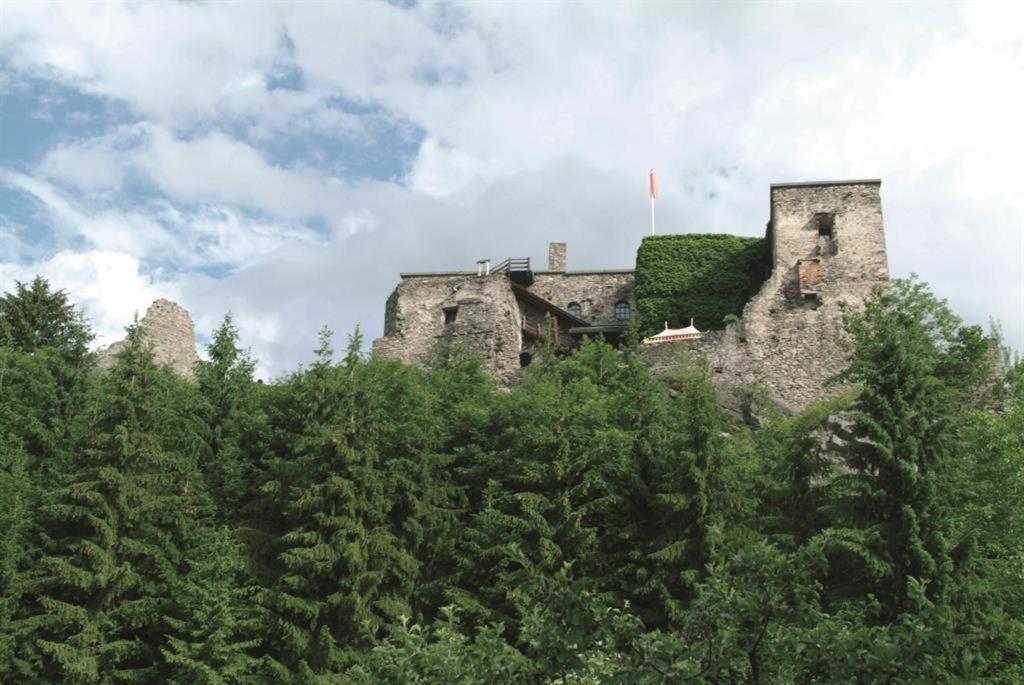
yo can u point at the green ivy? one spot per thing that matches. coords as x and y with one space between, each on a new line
704 276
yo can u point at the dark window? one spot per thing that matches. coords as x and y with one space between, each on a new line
525 358
621 311
826 225
574 309
449 315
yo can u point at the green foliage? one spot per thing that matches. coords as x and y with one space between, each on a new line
366 521
34 317
212 623
236 422
358 496
442 654
18 498
701 276
113 536
910 361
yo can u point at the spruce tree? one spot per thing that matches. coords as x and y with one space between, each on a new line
34 317
354 510
113 536
235 419
212 624
685 447
18 499
45 370
901 340
565 474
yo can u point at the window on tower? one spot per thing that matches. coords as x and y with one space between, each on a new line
826 225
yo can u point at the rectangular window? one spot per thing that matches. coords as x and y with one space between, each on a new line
826 225
449 315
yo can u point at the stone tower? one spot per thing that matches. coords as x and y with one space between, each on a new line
172 335
836 222
828 247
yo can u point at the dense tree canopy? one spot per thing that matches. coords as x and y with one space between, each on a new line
364 521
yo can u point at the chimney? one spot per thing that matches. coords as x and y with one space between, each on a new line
556 257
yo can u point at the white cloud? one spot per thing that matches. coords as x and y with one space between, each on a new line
171 61
207 235
109 287
538 123
91 165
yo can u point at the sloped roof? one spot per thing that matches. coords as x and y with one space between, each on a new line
674 335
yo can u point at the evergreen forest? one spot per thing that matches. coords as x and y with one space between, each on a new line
364 521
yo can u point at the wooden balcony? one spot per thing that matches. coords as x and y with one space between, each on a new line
541 330
518 270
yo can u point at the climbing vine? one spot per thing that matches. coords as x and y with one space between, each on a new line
704 276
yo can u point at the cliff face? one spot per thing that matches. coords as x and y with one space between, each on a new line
170 331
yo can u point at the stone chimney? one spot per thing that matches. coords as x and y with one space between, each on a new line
556 257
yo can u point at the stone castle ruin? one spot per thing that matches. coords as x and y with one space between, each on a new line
826 245
169 329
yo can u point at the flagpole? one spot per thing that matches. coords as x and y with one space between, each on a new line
652 215
652 183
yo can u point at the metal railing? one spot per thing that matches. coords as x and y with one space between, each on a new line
512 264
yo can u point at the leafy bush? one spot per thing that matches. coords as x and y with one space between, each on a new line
704 276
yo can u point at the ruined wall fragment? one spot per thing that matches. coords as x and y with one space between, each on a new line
168 328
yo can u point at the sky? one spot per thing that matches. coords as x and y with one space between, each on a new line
284 162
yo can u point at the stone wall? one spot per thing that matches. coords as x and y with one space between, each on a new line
169 330
487 320
595 291
828 247
790 339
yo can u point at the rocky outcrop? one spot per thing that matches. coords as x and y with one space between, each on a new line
172 335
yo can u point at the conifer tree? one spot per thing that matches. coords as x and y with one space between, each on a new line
235 420
566 476
44 373
34 317
18 499
355 510
901 341
212 622
683 458
114 536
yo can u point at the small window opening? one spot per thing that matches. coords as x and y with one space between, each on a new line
450 314
525 358
622 311
575 309
826 225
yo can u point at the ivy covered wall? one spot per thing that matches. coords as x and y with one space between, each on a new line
699 275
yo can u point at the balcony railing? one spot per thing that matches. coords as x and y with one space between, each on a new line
518 270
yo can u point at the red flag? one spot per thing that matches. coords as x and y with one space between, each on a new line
654 184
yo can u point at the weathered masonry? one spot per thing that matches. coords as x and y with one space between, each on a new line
500 313
168 328
827 246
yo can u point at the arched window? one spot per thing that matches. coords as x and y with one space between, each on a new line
622 311
575 309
